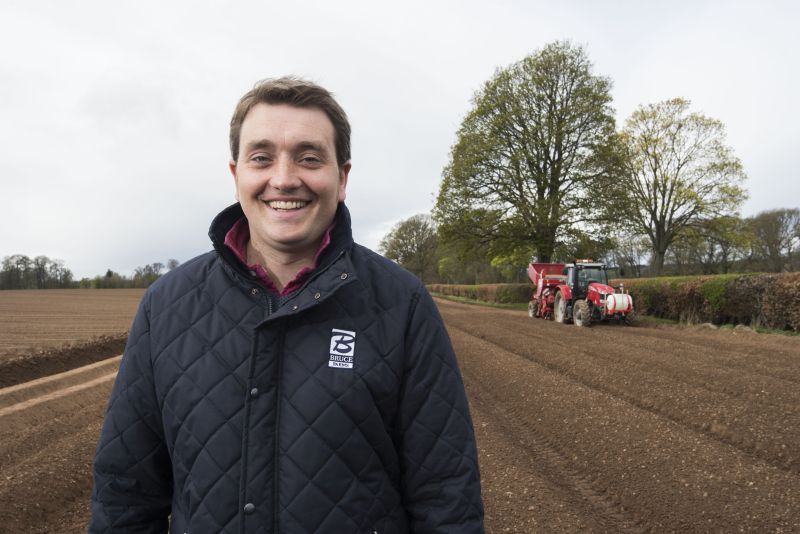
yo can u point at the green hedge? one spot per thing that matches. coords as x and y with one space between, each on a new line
759 300
499 293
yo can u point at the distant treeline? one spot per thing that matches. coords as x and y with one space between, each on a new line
21 272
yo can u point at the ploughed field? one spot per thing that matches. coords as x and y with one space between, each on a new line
38 319
606 429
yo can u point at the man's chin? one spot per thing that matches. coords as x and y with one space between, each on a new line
295 245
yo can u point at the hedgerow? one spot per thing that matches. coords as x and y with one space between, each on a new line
758 300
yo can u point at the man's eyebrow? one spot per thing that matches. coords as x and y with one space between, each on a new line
266 144
260 144
311 145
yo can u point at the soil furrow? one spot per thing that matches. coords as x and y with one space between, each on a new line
708 367
770 434
666 476
543 494
43 386
51 487
46 454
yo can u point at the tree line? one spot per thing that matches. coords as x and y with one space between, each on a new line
21 272
766 242
540 169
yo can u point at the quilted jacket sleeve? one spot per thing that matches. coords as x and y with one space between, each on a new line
441 483
132 472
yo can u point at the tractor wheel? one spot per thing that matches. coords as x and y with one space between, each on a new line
533 308
630 319
560 308
582 313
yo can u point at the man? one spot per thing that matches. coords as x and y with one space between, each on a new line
290 380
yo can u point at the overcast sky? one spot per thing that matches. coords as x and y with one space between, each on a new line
114 116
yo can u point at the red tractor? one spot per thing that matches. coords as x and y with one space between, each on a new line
577 292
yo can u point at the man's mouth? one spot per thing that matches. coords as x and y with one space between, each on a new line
287 204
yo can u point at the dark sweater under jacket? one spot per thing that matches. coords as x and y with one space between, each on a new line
340 411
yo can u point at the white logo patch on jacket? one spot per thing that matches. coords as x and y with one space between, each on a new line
343 347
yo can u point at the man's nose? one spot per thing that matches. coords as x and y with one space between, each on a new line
284 174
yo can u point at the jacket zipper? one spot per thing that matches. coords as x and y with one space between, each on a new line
246 437
247 410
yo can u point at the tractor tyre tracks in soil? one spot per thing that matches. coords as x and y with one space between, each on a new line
662 470
527 485
768 429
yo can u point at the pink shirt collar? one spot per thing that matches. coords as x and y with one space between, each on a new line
236 240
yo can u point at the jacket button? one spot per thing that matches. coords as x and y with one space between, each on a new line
344 276
254 291
295 307
254 392
249 508
317 296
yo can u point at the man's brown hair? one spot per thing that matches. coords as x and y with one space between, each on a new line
299 93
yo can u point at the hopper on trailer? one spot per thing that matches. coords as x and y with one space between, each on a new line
546 277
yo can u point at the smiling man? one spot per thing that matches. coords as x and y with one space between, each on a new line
290 380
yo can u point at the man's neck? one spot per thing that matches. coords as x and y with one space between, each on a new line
281 266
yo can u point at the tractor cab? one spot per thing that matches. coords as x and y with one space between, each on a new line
582 273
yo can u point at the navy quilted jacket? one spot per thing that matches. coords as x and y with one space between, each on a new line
341 411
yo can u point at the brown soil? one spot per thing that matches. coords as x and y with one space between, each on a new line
31 320
603 429
48 434
25 367
629 429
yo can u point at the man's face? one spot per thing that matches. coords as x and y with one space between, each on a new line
287 178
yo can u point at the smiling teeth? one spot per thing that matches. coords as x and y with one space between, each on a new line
287 204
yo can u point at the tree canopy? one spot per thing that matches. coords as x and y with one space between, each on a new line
412 243
528 155
677 172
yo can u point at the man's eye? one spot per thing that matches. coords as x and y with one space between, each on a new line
260 159
311 160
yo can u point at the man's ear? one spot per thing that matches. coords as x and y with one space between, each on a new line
232 168
344 172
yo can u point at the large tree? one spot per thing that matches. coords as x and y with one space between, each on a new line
677 172
528 155
412 243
